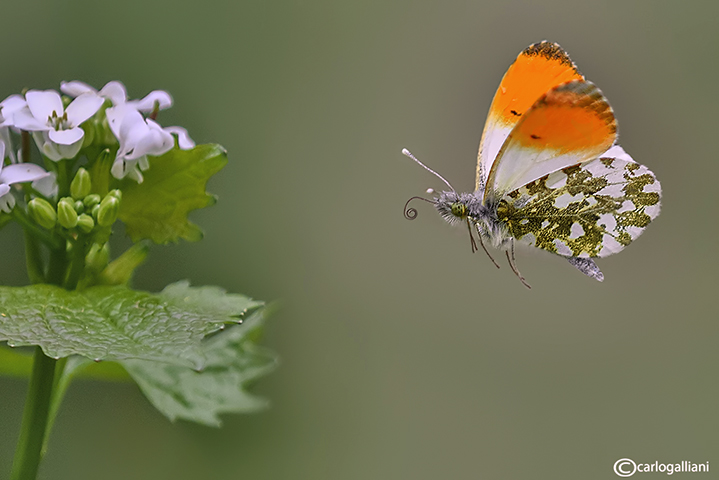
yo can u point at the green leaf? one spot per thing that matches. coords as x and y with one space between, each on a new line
209 298
174 185
115 322
233 361
15 362
106 371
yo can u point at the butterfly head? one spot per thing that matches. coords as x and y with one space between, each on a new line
455 207
459 209
451 205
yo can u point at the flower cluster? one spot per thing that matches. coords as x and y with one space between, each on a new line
84 121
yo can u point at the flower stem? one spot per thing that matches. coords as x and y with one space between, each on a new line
31 228
63 180
35 418
46 372
57 267
25 142
33 260
59 388
77 263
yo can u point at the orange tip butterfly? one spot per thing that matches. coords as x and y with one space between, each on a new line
549 174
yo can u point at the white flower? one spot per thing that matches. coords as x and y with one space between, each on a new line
56 130
15 173
8 108
183 138
138 138
115 92
47 185
147 104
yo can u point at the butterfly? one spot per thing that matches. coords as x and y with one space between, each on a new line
549 172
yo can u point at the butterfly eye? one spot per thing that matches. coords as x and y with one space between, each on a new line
459 209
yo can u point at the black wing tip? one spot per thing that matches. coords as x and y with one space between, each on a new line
549 50
579 86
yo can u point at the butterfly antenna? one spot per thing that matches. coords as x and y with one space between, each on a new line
409 154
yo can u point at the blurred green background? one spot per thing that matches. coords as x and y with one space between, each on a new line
403 355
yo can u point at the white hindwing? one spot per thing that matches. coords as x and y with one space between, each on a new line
593 209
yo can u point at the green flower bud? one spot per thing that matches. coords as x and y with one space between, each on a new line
91 200
79 206
95 211
89 130
66 214
80 186
109 208
85 223
98 257
42 212
115 193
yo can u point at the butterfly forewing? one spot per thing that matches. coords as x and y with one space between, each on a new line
538 69
570 124
592 209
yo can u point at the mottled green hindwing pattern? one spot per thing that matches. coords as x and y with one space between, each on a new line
593 209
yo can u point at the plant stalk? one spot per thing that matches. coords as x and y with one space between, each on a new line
57 267
44 388
35 418
37 232
77 263
33 260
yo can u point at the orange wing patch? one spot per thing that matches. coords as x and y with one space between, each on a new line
575 116
538 69
571 124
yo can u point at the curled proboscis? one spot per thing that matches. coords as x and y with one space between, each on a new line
411 213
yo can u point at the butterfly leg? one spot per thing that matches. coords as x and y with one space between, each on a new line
513 266
471 237
474 244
